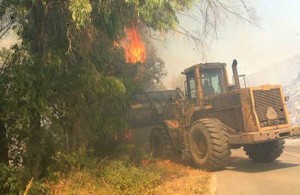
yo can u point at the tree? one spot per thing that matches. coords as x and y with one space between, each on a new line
7 19
150 74
3 133
67 84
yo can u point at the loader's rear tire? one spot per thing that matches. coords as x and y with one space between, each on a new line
160 143
209 145
265 152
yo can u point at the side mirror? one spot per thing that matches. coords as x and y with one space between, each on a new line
286 98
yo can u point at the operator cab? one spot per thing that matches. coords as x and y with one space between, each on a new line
205 80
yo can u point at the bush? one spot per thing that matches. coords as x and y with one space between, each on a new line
128 179
108 177
65 163
13 181
10 179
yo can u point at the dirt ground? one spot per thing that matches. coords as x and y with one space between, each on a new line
183 179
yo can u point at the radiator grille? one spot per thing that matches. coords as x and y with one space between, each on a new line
269 98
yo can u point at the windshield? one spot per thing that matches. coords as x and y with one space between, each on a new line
212 81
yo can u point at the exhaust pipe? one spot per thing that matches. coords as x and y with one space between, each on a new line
235 74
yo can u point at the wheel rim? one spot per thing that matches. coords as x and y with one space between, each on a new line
200 145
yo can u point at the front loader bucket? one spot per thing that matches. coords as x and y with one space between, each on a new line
146 108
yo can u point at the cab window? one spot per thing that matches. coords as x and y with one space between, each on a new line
190 86
212 81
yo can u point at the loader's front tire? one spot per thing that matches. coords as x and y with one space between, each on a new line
265 152
160 143
209 145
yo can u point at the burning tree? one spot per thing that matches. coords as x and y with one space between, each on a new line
134 47
65 86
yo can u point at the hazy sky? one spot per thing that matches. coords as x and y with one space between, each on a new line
277 39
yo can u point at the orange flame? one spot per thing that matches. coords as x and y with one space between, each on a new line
133 46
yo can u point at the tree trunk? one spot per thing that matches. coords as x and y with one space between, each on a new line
35 147
3 144
35 143
72 138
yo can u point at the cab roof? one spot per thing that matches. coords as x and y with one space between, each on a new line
205 66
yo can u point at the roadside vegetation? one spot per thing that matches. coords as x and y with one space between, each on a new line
79 174
120 177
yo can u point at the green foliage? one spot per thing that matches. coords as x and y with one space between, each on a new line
107 177
66 86
37 187
10 179
128 179
64 163
13 180
153 71
160 14
79 173
80 10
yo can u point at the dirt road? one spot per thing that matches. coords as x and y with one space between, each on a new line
243 176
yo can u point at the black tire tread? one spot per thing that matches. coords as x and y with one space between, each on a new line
265 152
219 154
167 142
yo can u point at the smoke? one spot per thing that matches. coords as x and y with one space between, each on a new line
255 48
8 40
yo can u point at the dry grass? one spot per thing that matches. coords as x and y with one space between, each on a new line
175 179
81 183
183 180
